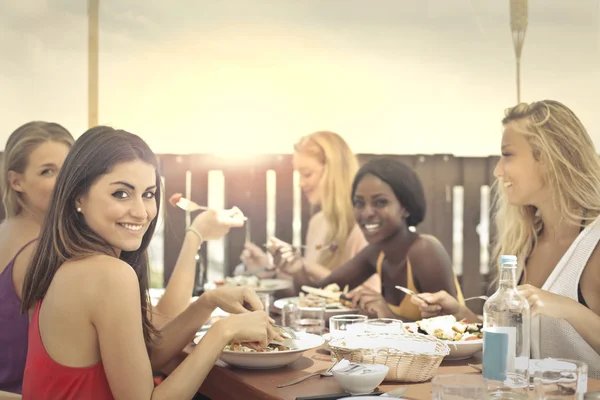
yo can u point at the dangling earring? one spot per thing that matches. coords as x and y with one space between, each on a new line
78 209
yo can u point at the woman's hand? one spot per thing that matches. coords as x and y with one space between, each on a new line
546 303
285 256
214 224
233 299
253 328
370 302
253 257
439 303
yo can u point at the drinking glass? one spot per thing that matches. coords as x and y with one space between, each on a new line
384 325
459 387
558 378
341 325
265 299
311 319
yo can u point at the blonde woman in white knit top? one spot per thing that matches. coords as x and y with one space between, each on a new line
546 213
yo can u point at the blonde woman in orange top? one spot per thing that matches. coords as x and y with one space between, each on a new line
326 166
388 200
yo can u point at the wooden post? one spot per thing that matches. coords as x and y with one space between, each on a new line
93 8
518 27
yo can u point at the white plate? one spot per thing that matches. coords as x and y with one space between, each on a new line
277 359
272 285
329 312
265 285
459 350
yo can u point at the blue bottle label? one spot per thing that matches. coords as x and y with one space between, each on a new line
495 355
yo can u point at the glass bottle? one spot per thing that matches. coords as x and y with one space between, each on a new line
506 341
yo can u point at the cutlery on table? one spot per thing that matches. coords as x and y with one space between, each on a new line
302 379
477 367
411 293
396 393
393 394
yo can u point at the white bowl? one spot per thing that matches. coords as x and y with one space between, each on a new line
361 381
277 359
460 349
463 349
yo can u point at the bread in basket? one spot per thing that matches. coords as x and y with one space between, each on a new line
409 357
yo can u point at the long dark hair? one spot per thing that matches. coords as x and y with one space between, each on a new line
65 234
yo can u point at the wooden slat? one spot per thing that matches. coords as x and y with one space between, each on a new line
491 165
199 193
307 212
2 214
284 198
474 173
446 175
173 169
425 168
246 188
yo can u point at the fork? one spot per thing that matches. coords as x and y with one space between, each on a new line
302 379
284 331
476 297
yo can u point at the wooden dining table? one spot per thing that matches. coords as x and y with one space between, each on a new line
227 383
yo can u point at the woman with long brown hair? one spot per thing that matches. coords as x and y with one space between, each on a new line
91 334
33 156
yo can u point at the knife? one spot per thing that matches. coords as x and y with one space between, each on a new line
396 393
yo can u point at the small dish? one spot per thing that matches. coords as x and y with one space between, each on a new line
362 379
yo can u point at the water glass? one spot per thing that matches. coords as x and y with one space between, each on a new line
289 314
384 325
341 325
265 299
556 378
459 387
311 319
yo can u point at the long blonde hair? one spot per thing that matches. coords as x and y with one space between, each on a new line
19 146
571 172
340 166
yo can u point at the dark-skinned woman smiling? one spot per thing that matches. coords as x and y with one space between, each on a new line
389 203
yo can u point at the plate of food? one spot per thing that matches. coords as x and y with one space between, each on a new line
335 304
276 355
463 338
260 285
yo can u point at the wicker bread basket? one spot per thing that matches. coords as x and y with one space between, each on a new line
404 365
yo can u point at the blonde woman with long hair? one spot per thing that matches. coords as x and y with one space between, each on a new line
327 167
547 214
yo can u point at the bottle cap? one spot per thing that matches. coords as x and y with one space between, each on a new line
508 259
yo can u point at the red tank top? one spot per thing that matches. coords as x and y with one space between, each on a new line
45 379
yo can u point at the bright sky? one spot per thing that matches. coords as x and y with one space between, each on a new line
394 76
